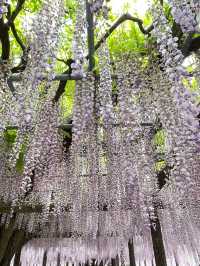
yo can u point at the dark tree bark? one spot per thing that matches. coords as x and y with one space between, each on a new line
5 41
158 245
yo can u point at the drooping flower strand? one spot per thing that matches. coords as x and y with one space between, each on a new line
180 149
4 7
185 14
105 87
79 40
72 250
180 194
180 236
8 120
182 134
172 59
84 176
43 44
130 91
54 182
44 178
99 7
109 146
39 148
135 152
9 106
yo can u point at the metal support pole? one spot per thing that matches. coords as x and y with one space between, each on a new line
90 31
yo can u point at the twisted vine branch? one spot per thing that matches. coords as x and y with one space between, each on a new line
120 20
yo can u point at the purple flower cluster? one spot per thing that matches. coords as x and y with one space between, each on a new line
99 7
185 14
79 40
3 7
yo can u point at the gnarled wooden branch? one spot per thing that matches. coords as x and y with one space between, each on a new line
18 39
122 19
119 21
15 13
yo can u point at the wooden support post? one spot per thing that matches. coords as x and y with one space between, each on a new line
90 31
158 245
131 253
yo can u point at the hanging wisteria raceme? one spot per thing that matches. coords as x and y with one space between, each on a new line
99 7
110 146
79 41
186 131
82 251
3 7
8 119
185 14
42 150
84 160
181 152
181 237
44 40
172 59
72 251
136 145
37 154
105 87
8 114
179 196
